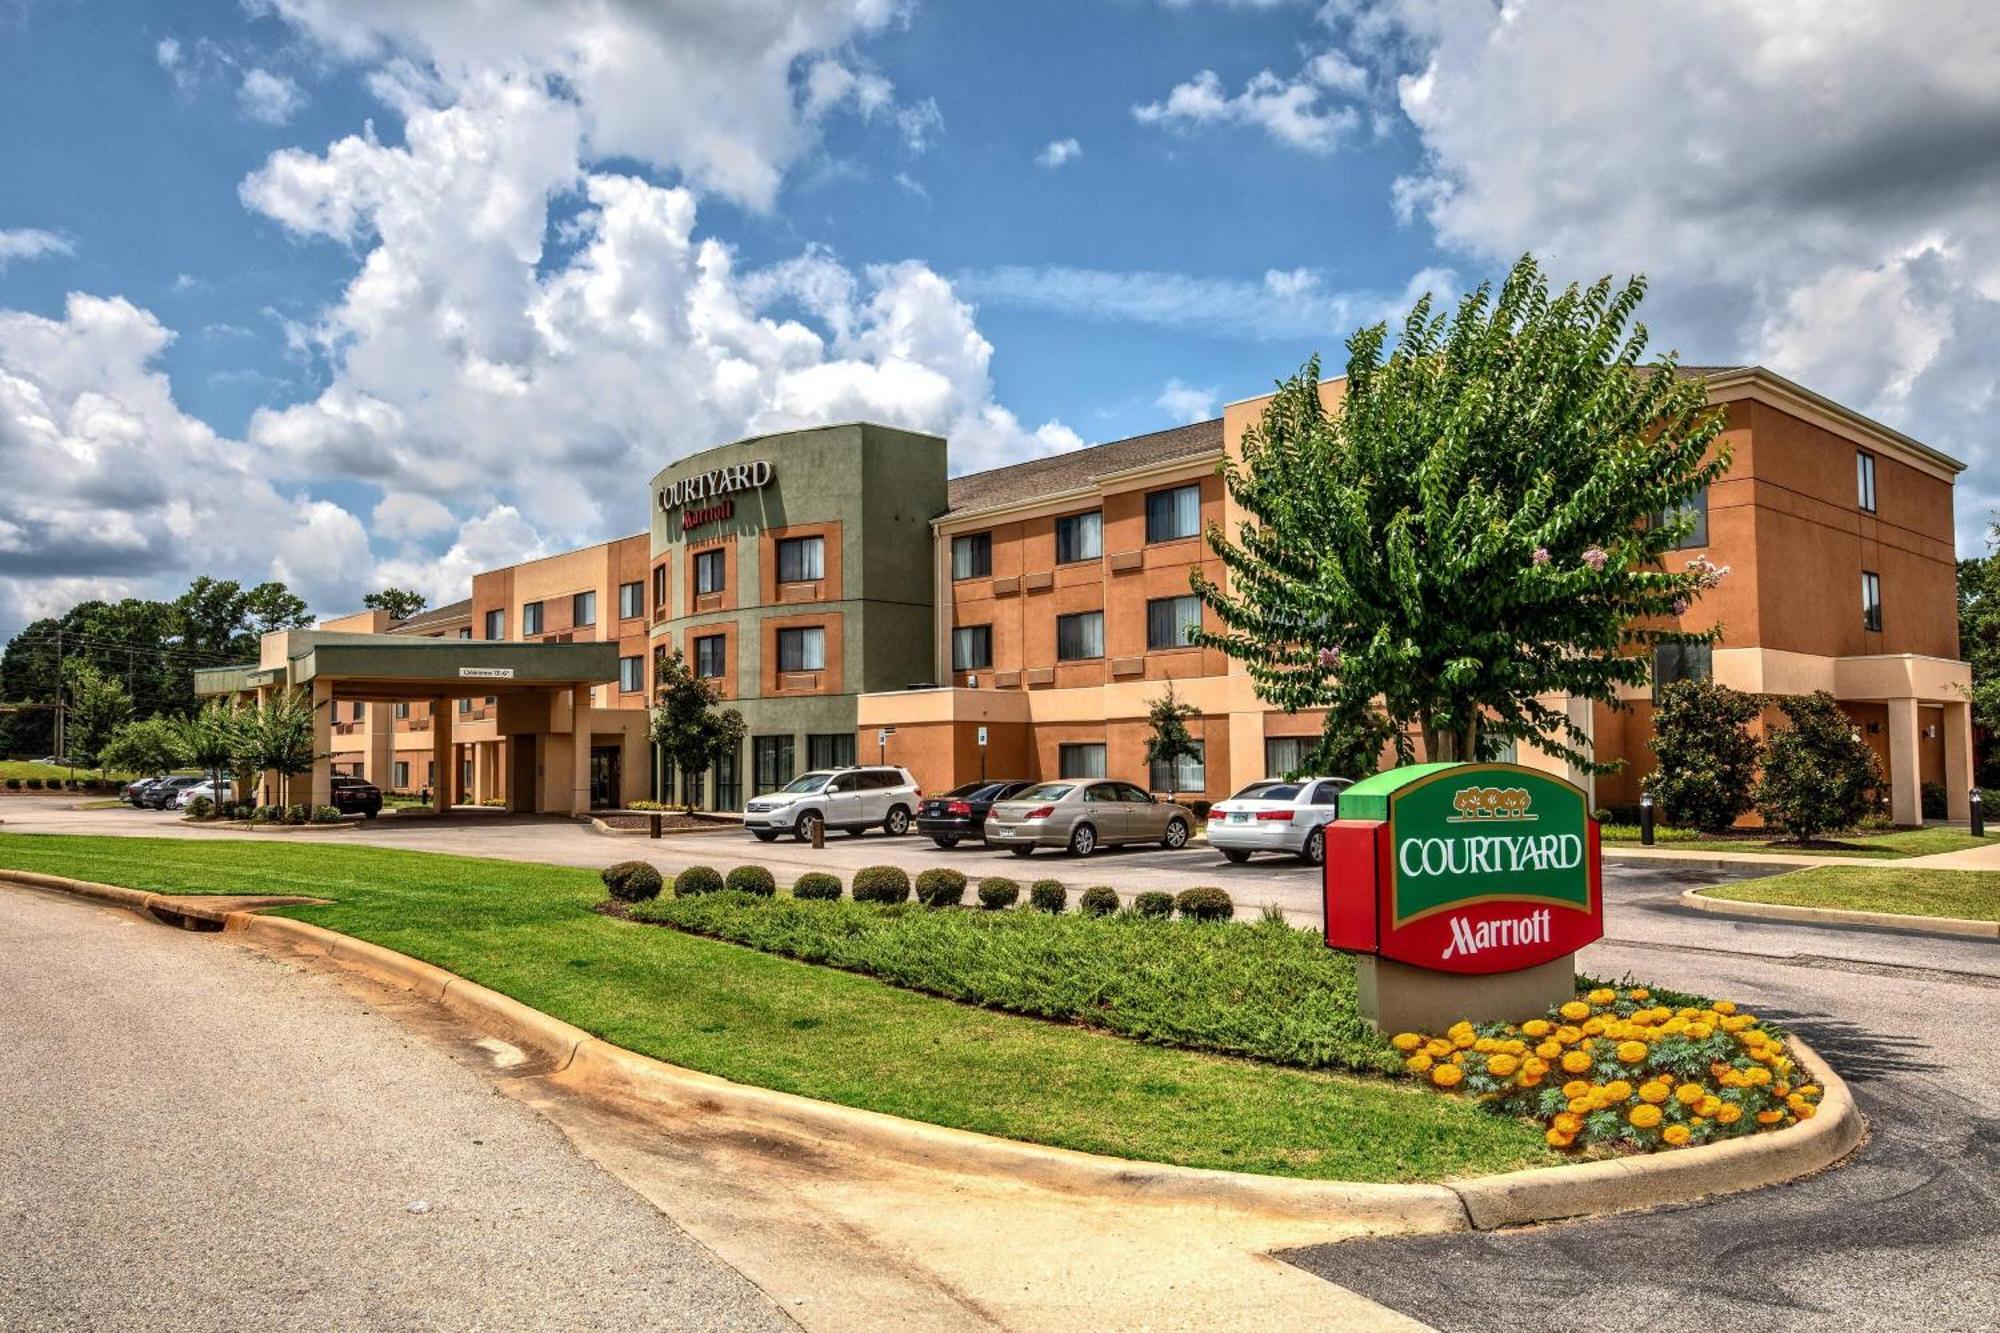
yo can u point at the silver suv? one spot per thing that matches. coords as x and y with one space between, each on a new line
850 799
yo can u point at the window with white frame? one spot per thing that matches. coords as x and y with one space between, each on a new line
972 556
1080 637
802 649
1170 620
1080 537
531 618
583 610
971 647
709 653
1173 515
496 624
631 601
707 572
632 674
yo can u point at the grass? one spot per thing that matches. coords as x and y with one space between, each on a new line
528 931
1971 895
1889 845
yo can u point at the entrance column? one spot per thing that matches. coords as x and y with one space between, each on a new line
1958 760
443 770
579 739
321 792
1906 801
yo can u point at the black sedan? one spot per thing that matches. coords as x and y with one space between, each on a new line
961 812
134 792
352 796
161 793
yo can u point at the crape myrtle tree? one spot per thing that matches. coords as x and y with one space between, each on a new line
1707 757
275 735
687 726
1169 741
1473 530
210 739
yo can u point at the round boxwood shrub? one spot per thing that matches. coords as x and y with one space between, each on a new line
1048 895
1153 902
201 808
753 880
881 884
696 880
633 881
1099 901
817 884
997 892
940 888
1205 904
13 784
34 784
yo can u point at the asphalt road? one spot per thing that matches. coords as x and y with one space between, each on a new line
194 1136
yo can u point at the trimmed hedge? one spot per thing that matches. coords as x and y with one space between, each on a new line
1153 902
997 892
697 880
940 888
753 880
13 784
632 881
1205 904
1099 901
881 884
1048 895
816 886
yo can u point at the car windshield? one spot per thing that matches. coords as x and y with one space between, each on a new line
969 789
1268 791
1046 791
810 782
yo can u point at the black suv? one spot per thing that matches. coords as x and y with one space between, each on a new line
961 812
352 796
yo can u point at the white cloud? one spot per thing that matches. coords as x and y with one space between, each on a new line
31 243
270 98
399 516
1296 111
1185 403
1058 152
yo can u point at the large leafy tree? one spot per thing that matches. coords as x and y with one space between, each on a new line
1471 531
145 748
687 725
275 735
211 739
1707 756
1979 645
400 603
97 707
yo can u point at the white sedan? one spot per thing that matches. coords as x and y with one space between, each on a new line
1277 816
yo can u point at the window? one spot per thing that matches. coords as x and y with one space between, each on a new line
832 751
1169 620
402 710
531 618
1697 505
1080 537
771 763
632 674
728 788
360 711
1285 755
1678 661
801 559
631 601
659 587
583 609
1081 761
1864 480
496 624
709 650
707 572
401 780
1080 636
465 705
1871 601
1172 515
1328 792
802 649
1186 774
972 556
972 648
465 633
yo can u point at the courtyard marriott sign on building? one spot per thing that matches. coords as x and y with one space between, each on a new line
1466 888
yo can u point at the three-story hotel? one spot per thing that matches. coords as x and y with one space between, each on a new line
857 603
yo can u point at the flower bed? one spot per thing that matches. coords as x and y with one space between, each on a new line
1618 1068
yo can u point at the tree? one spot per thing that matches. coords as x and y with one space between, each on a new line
275 735
96 707
1170 741
145 748
1474 531
687 726
1707 756
1818 772
400 603
211 739
1979 645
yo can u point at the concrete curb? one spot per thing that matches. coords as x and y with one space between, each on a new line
1717 861
1841 916
594 1066
244 826
599 826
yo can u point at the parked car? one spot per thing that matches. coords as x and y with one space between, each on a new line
162 794
353 796
133 793
1277 816
187 796
961 812
1083 816
853 800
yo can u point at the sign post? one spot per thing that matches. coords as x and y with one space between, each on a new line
1465 891
982 754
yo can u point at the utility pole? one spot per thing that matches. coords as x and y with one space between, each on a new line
61 715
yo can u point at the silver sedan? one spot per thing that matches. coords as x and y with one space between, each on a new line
1085 815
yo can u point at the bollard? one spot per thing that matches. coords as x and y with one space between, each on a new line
1645 819
819 834
1978 815
656 824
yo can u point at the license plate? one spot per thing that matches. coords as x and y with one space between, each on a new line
1239 818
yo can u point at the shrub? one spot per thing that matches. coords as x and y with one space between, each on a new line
1708 758
753 880
1934 800
13 784
614 873
1047 895
646 805
327 814
1153 902
1205 904
1817 772
697 880
881 884
201 808
34 784
940 888
997 892
633 881
259 814
1098 901
299 814
817 884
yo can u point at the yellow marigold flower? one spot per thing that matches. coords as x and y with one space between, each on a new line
1809 1090
1568 1035
1644 1116
1534 1064
1735 1023
1576 1087
1689 1093
1729 1114
1617 1090
1531 1078
1557 1139
1461 1040
1733 1078
1700 1031
1568 1123
1593 1027
1643 1018
1550 1049
1462 1025
1675 1134
1514 1046
1602 995
1485 1045
1806 1111
1639 993
1724 1006
1582 1105
1757 1077
1447 1076
1438 1047
1780 1089
1418 1063
1575 1062
1575 1011
1502 1065
1537 1027
1632 1052
1708 1105
1770 1117
1406 1041
1686 1013
1673 1027
1654 1092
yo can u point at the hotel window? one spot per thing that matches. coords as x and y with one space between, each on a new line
801 559
360 711
632 674
1080 637
1172 515
771 763
659 587
1864 480
631 601
1285 754
1188 773
1081 761
1678 661
1871 601
465 633
831 751
1170 619
802 649
401 780
531 618
465 705
496 624
1080 537
728 791
402 710
1697 505
583 610
972 648
972 556
708 571
708 655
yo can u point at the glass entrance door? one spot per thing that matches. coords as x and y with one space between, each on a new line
606 783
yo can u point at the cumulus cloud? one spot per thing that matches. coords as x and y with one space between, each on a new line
1300 111
270 98
31 243
1058 152
1185 403
400 516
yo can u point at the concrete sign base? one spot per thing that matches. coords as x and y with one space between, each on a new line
1396 997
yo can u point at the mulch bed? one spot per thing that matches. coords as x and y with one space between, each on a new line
670 822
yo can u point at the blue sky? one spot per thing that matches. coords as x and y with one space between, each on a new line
412 290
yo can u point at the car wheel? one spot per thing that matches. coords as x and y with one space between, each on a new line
763 836
898 822
370 814
1082 840
946 842
1177 834
809 824
1022 851
1234 856
854 832
1315 852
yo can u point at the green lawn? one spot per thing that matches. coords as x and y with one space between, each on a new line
1886 846
25 769
1972 895
528 931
